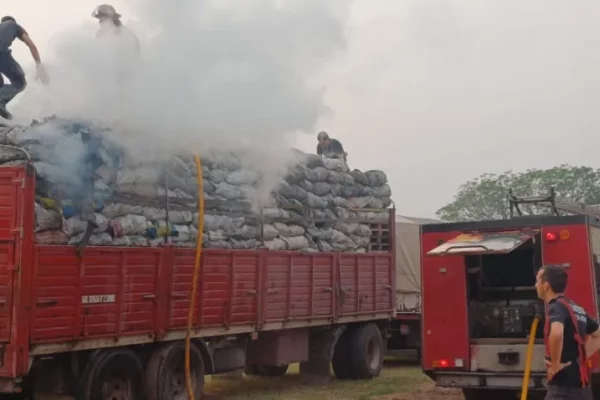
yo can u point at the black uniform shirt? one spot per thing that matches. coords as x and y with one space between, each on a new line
558 312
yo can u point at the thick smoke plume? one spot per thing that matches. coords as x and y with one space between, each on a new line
211 72
212 75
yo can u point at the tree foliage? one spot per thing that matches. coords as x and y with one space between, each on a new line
486 197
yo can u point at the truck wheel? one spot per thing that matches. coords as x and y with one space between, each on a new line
165 373
112 375
491 394
368 351
342 356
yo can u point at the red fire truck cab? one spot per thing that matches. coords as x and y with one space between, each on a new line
479 299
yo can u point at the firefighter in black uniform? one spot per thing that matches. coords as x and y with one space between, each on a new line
570 337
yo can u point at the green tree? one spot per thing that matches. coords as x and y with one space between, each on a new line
485 197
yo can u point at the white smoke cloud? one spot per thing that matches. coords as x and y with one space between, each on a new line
212 73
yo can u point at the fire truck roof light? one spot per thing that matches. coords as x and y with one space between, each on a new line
550 237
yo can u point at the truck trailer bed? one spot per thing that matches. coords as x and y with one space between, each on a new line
53 301
132 295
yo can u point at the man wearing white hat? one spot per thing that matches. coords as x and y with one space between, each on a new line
110 23
119 50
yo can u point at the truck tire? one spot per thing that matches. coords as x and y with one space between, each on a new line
165 373
368 351
112 374
341 361
491 394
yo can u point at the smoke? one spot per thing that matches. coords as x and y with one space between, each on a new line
212 76
212 73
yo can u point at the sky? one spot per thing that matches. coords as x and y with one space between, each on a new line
433 92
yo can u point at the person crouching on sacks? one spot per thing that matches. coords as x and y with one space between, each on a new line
330 148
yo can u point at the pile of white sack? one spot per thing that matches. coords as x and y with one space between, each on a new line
316 204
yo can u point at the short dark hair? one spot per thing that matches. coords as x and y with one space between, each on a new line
8 18
556 276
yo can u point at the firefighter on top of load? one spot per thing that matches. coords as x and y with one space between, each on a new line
126 43
110 24
10 68
330 148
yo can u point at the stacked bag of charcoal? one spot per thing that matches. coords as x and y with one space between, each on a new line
83 178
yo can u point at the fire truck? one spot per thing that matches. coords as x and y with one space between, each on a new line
479 299
111 323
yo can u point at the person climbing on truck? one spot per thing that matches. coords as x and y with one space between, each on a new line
567 327
330 148
10 68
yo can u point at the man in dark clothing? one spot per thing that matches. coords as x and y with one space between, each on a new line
9 67
570 336
330 148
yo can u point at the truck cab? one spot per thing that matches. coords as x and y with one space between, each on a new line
479 299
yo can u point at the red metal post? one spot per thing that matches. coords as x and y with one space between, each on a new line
199 315
161 304
262 288
392 268
288 313
22 309
168 269
229 310
374 268
311 295
79 325
356 287
336 285
121 294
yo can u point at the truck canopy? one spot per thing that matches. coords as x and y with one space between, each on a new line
408 263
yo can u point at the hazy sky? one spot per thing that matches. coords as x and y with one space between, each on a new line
433 92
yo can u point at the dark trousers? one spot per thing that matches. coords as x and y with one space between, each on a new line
11 69
566 393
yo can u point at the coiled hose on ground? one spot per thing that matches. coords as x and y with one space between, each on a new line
192 302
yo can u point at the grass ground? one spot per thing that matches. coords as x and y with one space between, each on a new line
395 378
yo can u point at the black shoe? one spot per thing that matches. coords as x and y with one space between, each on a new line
4 112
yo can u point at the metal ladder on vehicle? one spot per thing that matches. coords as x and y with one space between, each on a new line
555 205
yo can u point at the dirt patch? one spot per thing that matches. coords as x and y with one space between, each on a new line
425 392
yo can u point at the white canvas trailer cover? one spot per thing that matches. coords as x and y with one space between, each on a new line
408 263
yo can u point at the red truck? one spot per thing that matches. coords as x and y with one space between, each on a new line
479 299
111 324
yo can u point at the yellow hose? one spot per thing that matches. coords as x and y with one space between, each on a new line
192 303
530 345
